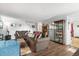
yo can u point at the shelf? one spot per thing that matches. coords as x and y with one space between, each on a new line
59 36
58 31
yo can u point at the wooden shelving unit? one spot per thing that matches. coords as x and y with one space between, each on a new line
59 31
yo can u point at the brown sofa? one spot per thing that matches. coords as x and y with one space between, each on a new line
35 44
42 43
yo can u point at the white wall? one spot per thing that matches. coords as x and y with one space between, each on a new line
71 18
7 21
67 32
74 17
76 29
75 21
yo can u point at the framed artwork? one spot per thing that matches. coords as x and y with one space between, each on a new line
33 26
16 25
13 25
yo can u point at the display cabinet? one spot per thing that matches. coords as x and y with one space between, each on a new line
59 31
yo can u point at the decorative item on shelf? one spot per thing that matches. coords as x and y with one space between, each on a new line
7 37
7 32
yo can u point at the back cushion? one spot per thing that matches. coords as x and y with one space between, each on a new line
30 35
37 34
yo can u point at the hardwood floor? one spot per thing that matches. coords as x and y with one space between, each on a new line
56 49
75 42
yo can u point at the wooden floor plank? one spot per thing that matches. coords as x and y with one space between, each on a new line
75 42
55 49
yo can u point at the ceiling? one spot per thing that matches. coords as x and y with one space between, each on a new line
36 11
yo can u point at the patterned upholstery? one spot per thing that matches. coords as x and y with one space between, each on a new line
20 34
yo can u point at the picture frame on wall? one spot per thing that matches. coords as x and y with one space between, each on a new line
13 25
33 26
16 25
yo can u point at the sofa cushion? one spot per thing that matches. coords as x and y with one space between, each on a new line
30 34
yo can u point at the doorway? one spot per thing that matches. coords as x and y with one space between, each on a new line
74 36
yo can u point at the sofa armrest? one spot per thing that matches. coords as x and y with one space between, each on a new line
42 43
43 39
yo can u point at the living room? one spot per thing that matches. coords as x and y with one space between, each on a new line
36 30
14 29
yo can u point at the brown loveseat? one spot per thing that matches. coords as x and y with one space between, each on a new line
35 44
